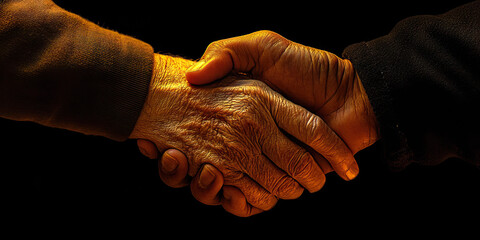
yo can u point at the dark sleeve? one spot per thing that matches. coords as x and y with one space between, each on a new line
63 71
423 80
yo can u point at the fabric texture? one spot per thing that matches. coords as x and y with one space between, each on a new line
423 80
60 70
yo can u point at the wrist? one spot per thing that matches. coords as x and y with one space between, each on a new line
159 69
168 81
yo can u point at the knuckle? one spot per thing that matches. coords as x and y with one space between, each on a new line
247 91
269 34
254 87
262 200
306 171
213 46
273 42
287 188
232 177
312 127
324 143
264 32
251 105
216 47
334 150
248 120
323 140
300 164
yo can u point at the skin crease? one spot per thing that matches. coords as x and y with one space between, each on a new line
339 98
315 79
232 125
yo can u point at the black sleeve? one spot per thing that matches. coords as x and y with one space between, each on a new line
60 70
423 80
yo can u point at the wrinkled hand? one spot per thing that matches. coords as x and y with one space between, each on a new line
317 80
232 125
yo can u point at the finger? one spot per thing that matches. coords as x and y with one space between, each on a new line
147 148
294 160
313 131
263 171
210 69
207 184
173 168
256 195
234 202
240 54
216 62
321 161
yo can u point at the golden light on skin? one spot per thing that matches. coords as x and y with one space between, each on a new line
238 121
204 115
324 83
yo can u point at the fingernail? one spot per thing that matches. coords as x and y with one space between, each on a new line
197 66
352 172
169 163
206 177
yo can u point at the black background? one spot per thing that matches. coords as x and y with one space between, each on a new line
56 181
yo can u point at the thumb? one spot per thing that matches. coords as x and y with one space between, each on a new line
210 69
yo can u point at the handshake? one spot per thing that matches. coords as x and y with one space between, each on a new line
248 143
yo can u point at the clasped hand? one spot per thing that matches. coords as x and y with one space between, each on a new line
252 140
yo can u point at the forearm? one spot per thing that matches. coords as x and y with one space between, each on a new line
62 71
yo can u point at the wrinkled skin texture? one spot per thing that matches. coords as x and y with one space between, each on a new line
232 125
317 80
